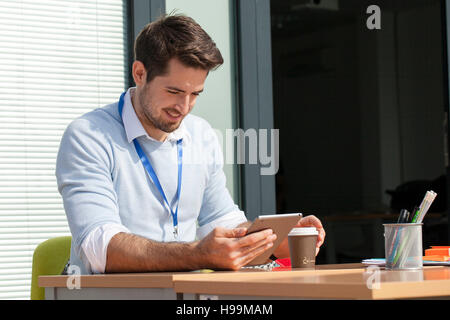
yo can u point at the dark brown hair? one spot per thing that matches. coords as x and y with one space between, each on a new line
175 36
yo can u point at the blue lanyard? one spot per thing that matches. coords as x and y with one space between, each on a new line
151 172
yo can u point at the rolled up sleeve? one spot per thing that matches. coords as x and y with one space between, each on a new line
83 172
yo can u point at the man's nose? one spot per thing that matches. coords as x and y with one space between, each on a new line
184 103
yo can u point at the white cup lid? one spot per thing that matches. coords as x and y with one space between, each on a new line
306 231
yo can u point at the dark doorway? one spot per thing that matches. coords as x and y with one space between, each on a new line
361 112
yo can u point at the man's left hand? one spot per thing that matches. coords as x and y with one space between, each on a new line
313 221
309 221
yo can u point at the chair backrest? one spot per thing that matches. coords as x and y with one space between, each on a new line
49 258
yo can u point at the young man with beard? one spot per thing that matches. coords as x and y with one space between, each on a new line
134 199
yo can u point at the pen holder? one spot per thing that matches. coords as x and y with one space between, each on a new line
403 246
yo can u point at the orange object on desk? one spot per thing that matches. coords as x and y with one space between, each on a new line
438 251
436 258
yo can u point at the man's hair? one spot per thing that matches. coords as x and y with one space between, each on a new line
175 36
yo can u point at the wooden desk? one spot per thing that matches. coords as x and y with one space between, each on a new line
343 281
323 283
132 286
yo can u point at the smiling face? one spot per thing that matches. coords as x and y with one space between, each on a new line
162 103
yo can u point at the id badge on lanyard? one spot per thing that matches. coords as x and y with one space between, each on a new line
151 172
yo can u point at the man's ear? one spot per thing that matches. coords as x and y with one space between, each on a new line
139 73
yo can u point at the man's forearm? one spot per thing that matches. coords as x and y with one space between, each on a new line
131 253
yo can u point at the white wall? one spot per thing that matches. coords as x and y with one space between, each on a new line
217 103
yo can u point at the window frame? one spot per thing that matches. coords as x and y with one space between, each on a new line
257 192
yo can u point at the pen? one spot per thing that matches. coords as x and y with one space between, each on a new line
416 214
399 247
403 217
407 214
429 198
405 246
413 214
424 206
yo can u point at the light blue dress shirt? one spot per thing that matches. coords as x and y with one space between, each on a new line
102 180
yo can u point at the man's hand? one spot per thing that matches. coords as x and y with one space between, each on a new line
309 221
222 248
313 221
232 248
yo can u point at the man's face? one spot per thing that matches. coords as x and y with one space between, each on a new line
167 99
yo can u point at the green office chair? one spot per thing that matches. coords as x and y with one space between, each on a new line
49 258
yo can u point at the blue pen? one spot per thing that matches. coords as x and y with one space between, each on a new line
402 218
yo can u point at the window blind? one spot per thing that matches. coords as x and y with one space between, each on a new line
58 60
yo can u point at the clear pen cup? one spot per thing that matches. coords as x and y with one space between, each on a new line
403 246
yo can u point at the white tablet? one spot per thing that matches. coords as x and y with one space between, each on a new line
281 225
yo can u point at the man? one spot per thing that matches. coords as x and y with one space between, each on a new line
132 199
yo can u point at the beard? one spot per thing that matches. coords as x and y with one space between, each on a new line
157 120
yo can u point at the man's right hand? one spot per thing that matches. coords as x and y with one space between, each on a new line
233 248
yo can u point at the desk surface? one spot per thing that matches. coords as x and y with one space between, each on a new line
359 283
343 281
151 279
119 280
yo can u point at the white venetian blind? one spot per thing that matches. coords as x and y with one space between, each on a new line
58 60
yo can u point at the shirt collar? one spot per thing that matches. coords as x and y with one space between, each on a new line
134 128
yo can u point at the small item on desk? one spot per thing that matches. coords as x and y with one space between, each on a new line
286 262
424 206
436 258
302 247
437 253
438 250
374 262
283 265
403 245
204 270
403 217
413 214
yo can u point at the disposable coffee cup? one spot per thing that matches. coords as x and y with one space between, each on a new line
302 247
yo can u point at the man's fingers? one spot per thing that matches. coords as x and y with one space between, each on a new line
248 253
240 247
310 221
255 245
252 238
313 221
230 233
321 237
245 259
244 249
